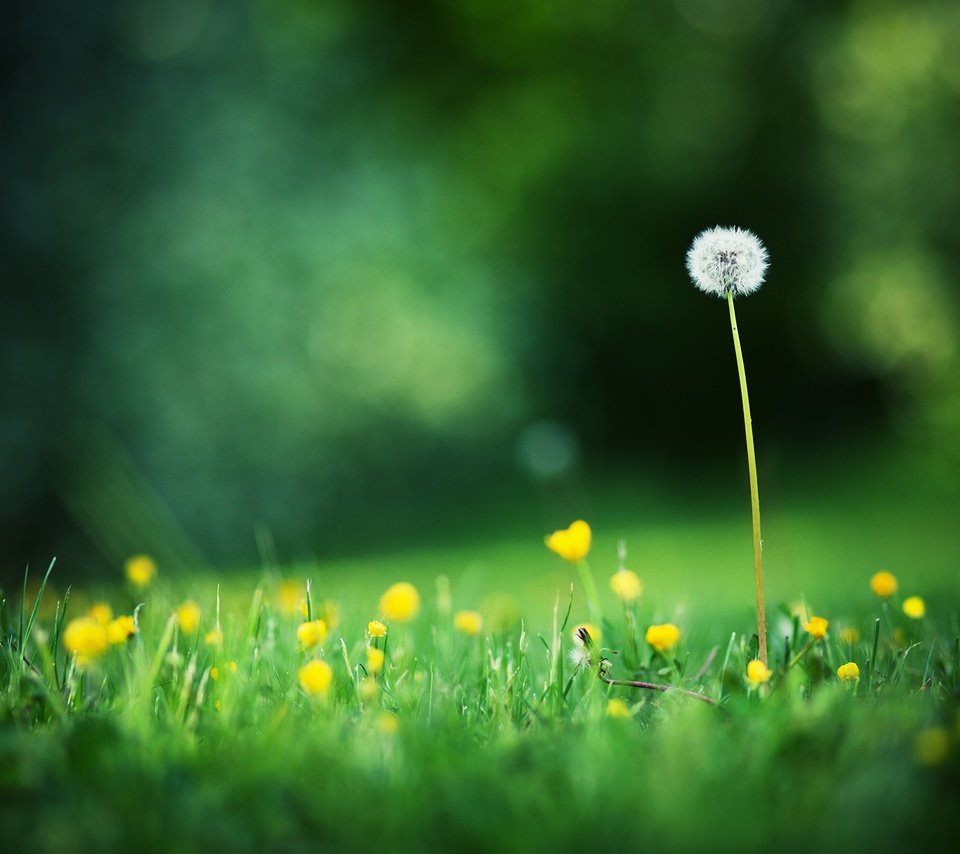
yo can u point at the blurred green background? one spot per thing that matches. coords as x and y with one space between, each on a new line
326 277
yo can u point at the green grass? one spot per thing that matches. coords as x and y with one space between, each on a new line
500 744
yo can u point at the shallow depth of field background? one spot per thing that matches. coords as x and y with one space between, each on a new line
329 282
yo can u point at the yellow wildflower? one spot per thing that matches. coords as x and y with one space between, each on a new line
848 671
817 627
121 629
931 745
662 637
101 612
368 688
86 638
617 709
188 616
376 629
627 585
140 570
292 598
374 659
213 638
883 584
593 631
572 543
388 723
231 666
468 622
401 602
315 677
914 607
849 635
312 633
218 705
758 672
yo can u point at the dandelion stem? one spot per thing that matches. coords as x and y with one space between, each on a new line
654 686
754 490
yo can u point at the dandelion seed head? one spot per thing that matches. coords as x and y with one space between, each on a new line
725 260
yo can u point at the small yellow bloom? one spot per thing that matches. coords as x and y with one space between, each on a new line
663 637
627 585
292 598
312 633
101 612
468 622
121 629
401 602
213 638
374 659
140 570
388 723
368 688
214 673
883 584
330 613
315 677
617 709
817 627
376 629
848 671
188 616
914 607
849 635
931 745
593 631
85 637
232 666
572 543
758 672
217 705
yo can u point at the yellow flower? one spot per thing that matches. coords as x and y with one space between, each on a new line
376 629
401 602
626 585
330 614
368 688
914 607
593 631
101 612
213 638
85 637
215 671
468 622
388 723
817 627
140 570
315 677
188 616
571 544
931 746
847 671
663 637
218 705
121 629
312 633
849 635
617 709
292 598
374 659
883 584
758 672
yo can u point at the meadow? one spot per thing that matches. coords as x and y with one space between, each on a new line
462 709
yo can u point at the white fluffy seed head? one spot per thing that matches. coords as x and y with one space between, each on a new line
727 260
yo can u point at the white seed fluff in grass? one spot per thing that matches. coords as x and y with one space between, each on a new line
727 260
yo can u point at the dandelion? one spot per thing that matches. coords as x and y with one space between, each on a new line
315 677
375 659
311 634
883 584
368 688
626 585
101 612
86 638
849 635
931 745
468 622
188 616
140 570
231 667
571 543
663 637
732 262
401 602
121 629
816 627
213 638
849 671
376 629
388 723
758 673
292 599
914 607
617 709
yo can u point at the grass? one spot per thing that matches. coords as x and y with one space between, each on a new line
498 741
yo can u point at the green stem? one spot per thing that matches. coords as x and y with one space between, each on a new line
593 598
754 490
